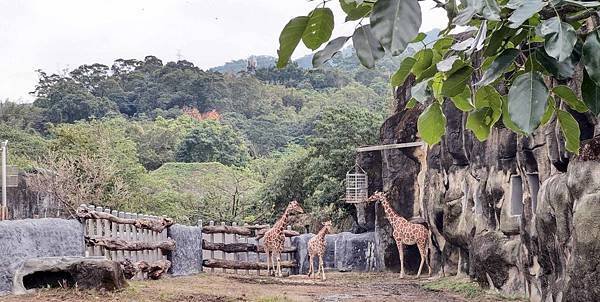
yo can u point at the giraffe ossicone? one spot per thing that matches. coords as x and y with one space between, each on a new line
274 239
405 233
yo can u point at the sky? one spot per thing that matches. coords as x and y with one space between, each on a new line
59 35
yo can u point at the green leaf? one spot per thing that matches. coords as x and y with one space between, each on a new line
548 113
395 23
318 28
420 92
567 95
560 38
561 70
367 47
481 121
496 39
523 10
591 56
436 85
491 10
420 37
500 64
457 82
443 44
527 99
570 130
403 71
289 38
432 124
329 51
590 93
424 59
463 101
507 121
411 104
487 96
355 11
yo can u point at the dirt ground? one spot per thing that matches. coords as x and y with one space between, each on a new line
230 287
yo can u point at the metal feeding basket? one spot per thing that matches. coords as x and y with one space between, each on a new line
357 185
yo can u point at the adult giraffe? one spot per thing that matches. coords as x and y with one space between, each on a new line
274 238
405 233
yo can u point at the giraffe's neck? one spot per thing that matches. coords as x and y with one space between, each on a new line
322 232
391 214
282 222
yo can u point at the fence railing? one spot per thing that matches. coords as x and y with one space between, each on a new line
239 249
108 236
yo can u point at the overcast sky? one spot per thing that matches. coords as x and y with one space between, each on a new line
55 35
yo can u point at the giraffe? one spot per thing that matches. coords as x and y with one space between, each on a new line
405 233
274 237
316 247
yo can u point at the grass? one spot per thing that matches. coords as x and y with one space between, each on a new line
467 288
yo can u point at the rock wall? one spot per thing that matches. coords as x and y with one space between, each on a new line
514 213
186 259
24 203
32 238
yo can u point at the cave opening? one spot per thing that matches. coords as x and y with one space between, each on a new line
48 279
534 186
516 195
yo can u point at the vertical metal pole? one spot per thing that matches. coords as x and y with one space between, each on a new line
4 211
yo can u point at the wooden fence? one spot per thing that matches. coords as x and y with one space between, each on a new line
236 249
108 235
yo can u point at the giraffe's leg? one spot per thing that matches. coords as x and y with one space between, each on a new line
423 253
274 272
279 265
321 268
310 265
401 253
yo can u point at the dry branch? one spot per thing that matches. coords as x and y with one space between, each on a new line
239 247
153 270
157 225
232 264
287 233
113 244
226 229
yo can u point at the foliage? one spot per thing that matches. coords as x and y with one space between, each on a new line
521 45
211 141
25 147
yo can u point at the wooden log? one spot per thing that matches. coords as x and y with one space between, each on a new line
231 264
239 247
287 233
256 226
154 270
148 224
227 229
115 244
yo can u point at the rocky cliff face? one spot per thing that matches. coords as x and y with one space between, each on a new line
518 214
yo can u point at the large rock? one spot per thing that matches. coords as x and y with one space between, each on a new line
33 238
83 273
492 257
186 259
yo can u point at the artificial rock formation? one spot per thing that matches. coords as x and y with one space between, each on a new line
518 214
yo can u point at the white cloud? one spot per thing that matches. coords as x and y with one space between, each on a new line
63 34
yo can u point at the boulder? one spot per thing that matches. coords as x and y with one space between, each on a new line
186 259
84 273
492 256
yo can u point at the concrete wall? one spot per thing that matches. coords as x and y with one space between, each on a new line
187 257
345 252
32 238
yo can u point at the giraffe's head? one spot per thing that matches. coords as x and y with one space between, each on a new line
294 208
327 226
377 196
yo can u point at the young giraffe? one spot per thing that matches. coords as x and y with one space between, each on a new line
316 247
405 233
274 238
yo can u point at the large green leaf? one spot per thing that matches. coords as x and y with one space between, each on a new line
368 49
590 93
496 39
354 10
403 71
570 130
523 10
561 70
506 118
432 124
487 96
567 95
481 121
457 82
318 28
549 111
289 38
395 23
591 56
329 51
559 38
424 60
462 101
500 64
527 100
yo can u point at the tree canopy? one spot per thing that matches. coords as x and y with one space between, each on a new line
505 62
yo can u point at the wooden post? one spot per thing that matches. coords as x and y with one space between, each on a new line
129 234
106 233
235 240
122 254
247 258
164 235
114 255
212 239
99 250
86 232
223 255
